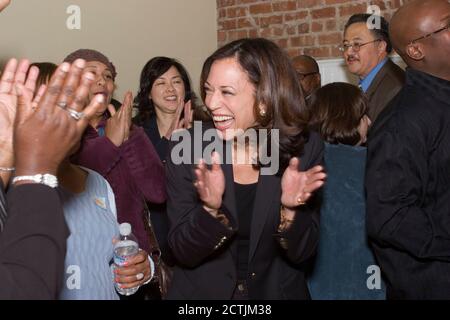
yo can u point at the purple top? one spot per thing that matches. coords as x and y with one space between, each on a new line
133 170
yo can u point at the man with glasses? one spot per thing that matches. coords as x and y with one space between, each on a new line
408 161
308 75
366 55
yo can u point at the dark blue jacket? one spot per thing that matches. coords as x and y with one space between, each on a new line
345 267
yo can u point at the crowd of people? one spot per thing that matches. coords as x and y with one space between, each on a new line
357 207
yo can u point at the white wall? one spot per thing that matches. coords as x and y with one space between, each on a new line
335 70
129 32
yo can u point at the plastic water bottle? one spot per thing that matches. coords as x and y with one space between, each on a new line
125 249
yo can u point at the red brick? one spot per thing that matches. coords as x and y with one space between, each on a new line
270 20
311 26
235 35
236 12
324 13
228 25
302 41
332 38
322 52
285 6
352 9
225 3
309 3
221 36
316 26
303 28
330 25
244 23
261 8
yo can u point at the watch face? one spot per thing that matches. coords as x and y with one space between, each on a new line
50 180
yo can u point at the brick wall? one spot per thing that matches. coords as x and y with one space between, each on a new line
312 27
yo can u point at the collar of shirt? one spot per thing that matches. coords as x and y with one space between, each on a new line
365 83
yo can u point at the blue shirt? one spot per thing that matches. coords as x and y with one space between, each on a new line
367 81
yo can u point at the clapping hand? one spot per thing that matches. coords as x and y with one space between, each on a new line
119 125
210 184
181 123
298 186
44 131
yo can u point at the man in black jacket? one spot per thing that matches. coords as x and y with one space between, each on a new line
33 241
408 169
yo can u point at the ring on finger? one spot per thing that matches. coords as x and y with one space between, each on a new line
140 276
75 114
300 201
62 104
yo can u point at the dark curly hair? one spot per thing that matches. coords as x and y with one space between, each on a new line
270 70
150 73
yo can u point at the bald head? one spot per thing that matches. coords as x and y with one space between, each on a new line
413 31
416 19
309 74
305 63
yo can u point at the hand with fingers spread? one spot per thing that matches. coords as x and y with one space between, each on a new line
15 73
135 272
298 186
181 122
119 125
44 137
210 184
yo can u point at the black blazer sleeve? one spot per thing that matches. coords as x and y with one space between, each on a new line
33 244
194 233
301 239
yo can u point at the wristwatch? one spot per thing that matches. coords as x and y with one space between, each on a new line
47 179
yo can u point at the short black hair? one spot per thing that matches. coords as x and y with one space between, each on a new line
380 33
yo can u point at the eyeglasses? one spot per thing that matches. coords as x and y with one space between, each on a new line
356 46
432 33
302 76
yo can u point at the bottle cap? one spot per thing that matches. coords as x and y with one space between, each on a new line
125 229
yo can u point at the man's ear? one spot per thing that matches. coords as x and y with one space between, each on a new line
415 51
382 46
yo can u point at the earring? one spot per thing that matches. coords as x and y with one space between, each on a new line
262 112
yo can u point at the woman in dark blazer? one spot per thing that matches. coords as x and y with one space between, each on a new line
245 229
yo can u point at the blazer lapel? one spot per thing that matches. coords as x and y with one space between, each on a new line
229 197
268 193
378 79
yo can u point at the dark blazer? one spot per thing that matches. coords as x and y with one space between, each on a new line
206 250
33 244
384 87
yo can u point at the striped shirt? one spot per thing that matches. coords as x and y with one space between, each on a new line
91 218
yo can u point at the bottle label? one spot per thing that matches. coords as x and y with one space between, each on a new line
123 250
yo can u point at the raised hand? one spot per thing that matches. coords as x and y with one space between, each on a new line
298 186
15 73
118 126
44 132
210 184
181 122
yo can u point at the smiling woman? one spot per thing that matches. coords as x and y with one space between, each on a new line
166 103
124 156
235 232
